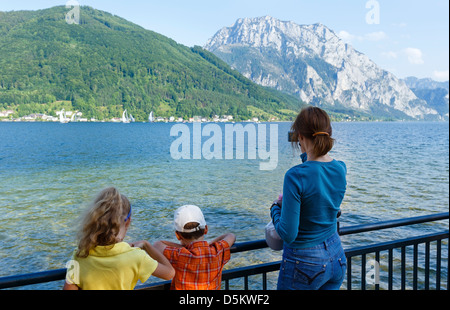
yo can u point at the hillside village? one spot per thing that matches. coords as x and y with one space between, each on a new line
76 116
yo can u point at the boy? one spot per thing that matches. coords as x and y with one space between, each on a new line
198 264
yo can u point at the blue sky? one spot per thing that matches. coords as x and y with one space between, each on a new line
405 37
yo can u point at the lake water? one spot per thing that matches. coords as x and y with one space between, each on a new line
50 171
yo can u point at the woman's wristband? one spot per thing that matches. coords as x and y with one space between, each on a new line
274 204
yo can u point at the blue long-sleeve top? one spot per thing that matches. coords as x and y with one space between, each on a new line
312 195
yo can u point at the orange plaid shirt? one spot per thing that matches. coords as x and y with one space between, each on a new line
199 265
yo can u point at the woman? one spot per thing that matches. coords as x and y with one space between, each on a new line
306 218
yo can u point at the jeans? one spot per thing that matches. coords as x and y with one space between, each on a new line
321 267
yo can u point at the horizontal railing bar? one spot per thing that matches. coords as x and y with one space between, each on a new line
250 270
59 274
158 286
32 278
248 246
396 244
226 274
393 223
260 244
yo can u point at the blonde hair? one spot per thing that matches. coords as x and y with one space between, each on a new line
102 221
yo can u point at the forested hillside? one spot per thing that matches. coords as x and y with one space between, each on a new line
106 64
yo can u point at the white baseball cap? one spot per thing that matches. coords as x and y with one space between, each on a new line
187 214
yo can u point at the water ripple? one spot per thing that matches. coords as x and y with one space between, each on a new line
49 172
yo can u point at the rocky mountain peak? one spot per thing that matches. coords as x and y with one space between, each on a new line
313 63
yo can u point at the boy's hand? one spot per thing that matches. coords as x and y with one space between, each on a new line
229 238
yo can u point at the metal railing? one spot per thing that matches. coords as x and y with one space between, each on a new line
401 245
383 266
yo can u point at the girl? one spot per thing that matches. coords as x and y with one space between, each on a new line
103 260
313 257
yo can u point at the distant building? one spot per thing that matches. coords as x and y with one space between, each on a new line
6 113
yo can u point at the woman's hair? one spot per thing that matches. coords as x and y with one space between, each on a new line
314 124
102 220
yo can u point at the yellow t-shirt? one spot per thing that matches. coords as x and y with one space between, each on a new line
117 267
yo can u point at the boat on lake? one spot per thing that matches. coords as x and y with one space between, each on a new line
125 118
62 117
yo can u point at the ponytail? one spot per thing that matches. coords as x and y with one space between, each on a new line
322 144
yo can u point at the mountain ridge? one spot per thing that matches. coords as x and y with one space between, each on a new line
435 93
313 63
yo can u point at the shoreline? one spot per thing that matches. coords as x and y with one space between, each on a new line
227 122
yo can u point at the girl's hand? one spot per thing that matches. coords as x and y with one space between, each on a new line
138 244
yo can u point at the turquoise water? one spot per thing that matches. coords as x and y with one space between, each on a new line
50 171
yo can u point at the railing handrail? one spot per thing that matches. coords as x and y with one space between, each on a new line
59 274
393 223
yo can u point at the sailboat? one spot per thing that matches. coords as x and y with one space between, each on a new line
150 117
62 117
74 117
125 118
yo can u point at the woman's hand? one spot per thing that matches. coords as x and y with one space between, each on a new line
279 200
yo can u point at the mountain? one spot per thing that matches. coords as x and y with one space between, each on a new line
427 83
433 92
106 64
313 63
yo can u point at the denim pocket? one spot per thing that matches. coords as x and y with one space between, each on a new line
308 273
343 263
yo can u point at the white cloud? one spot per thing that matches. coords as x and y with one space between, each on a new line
441 75
414 55
375 36
390 55
400 25
345 36
372 36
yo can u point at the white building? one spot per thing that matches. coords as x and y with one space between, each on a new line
6 113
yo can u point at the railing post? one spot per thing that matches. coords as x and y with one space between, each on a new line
349 273
438 265
427 265
377 271
363 272
390 269
403 271
415 263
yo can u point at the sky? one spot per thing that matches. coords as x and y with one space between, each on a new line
405 37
